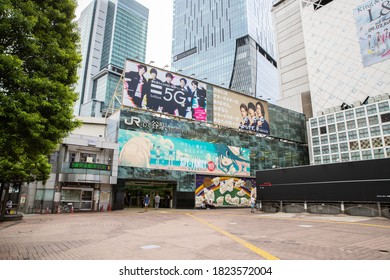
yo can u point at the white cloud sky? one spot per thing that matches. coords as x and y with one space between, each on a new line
159 42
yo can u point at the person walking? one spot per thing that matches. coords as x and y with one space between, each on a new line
156 201
146 201
8 206
253 204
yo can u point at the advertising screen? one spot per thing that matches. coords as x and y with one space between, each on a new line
152 88
372 20
223 191
239 111
145 150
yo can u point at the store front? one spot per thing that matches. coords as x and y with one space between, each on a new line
80 198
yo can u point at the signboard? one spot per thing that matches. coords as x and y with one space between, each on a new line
145 150
372 23
88 165
239 111
224 191
161 91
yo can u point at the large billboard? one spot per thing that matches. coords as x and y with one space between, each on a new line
145 150
239 111
152 88
372 23
224 191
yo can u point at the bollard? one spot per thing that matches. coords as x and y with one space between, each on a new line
71 210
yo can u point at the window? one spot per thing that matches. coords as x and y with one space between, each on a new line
384 106
366 155
323 129
349 114
324 140
371 109
317 151
332 128
335 158
326 159
375 131
325 149
360 112
334 148
340 116
345 157
352 135
72 157
354 145
376 142
316 141
363 133
333 138
365 144
343 147
373 120
313 122
386 129
317 160
341 126
385 118
355 156
342 136
362 122
321 120
351 124
314 131
330 118
379 153
85 157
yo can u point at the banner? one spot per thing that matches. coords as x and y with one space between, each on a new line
224 191
161 91
372 23
239 111
139 149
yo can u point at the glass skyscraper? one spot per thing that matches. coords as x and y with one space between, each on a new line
228 43
111 31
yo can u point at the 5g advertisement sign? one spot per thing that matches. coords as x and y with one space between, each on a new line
152 88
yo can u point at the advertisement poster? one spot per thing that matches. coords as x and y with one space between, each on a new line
372 23
145 150
224 191
149 87
239 111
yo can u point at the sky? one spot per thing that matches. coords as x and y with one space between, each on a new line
159 41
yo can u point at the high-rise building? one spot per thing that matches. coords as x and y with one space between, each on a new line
229 43
111 31
325 57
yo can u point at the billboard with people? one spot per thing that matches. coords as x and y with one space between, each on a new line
145 150
162 91
372 20
239 111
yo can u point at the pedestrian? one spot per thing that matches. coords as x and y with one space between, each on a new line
253 204
9 206
156 201
146 201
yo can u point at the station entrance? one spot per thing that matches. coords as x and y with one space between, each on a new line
135 191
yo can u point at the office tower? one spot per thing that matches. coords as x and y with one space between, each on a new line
325 57
229 43
111 31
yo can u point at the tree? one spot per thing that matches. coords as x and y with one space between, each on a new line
38 67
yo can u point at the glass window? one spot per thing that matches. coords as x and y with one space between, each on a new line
386 129
362 122
354 145
324 140
373 120
330 119
365 144
321 120
385 118
325 149
345 157
323 129
376 142
340 116
341 126
355 156
384 106
366 154
363 133
379 153
350 114
352 135
342 136
317 151
375 131
343 147
334 148
313 122
360 112
85 157
388 152
351 124
314 131
326 159
371 109
316 141
335 158
332 128
333 138
317 160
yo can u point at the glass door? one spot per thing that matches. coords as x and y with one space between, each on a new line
86 200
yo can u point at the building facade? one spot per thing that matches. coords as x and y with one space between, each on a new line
111 31
231 43
324 54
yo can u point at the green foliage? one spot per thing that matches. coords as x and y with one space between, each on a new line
38 68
